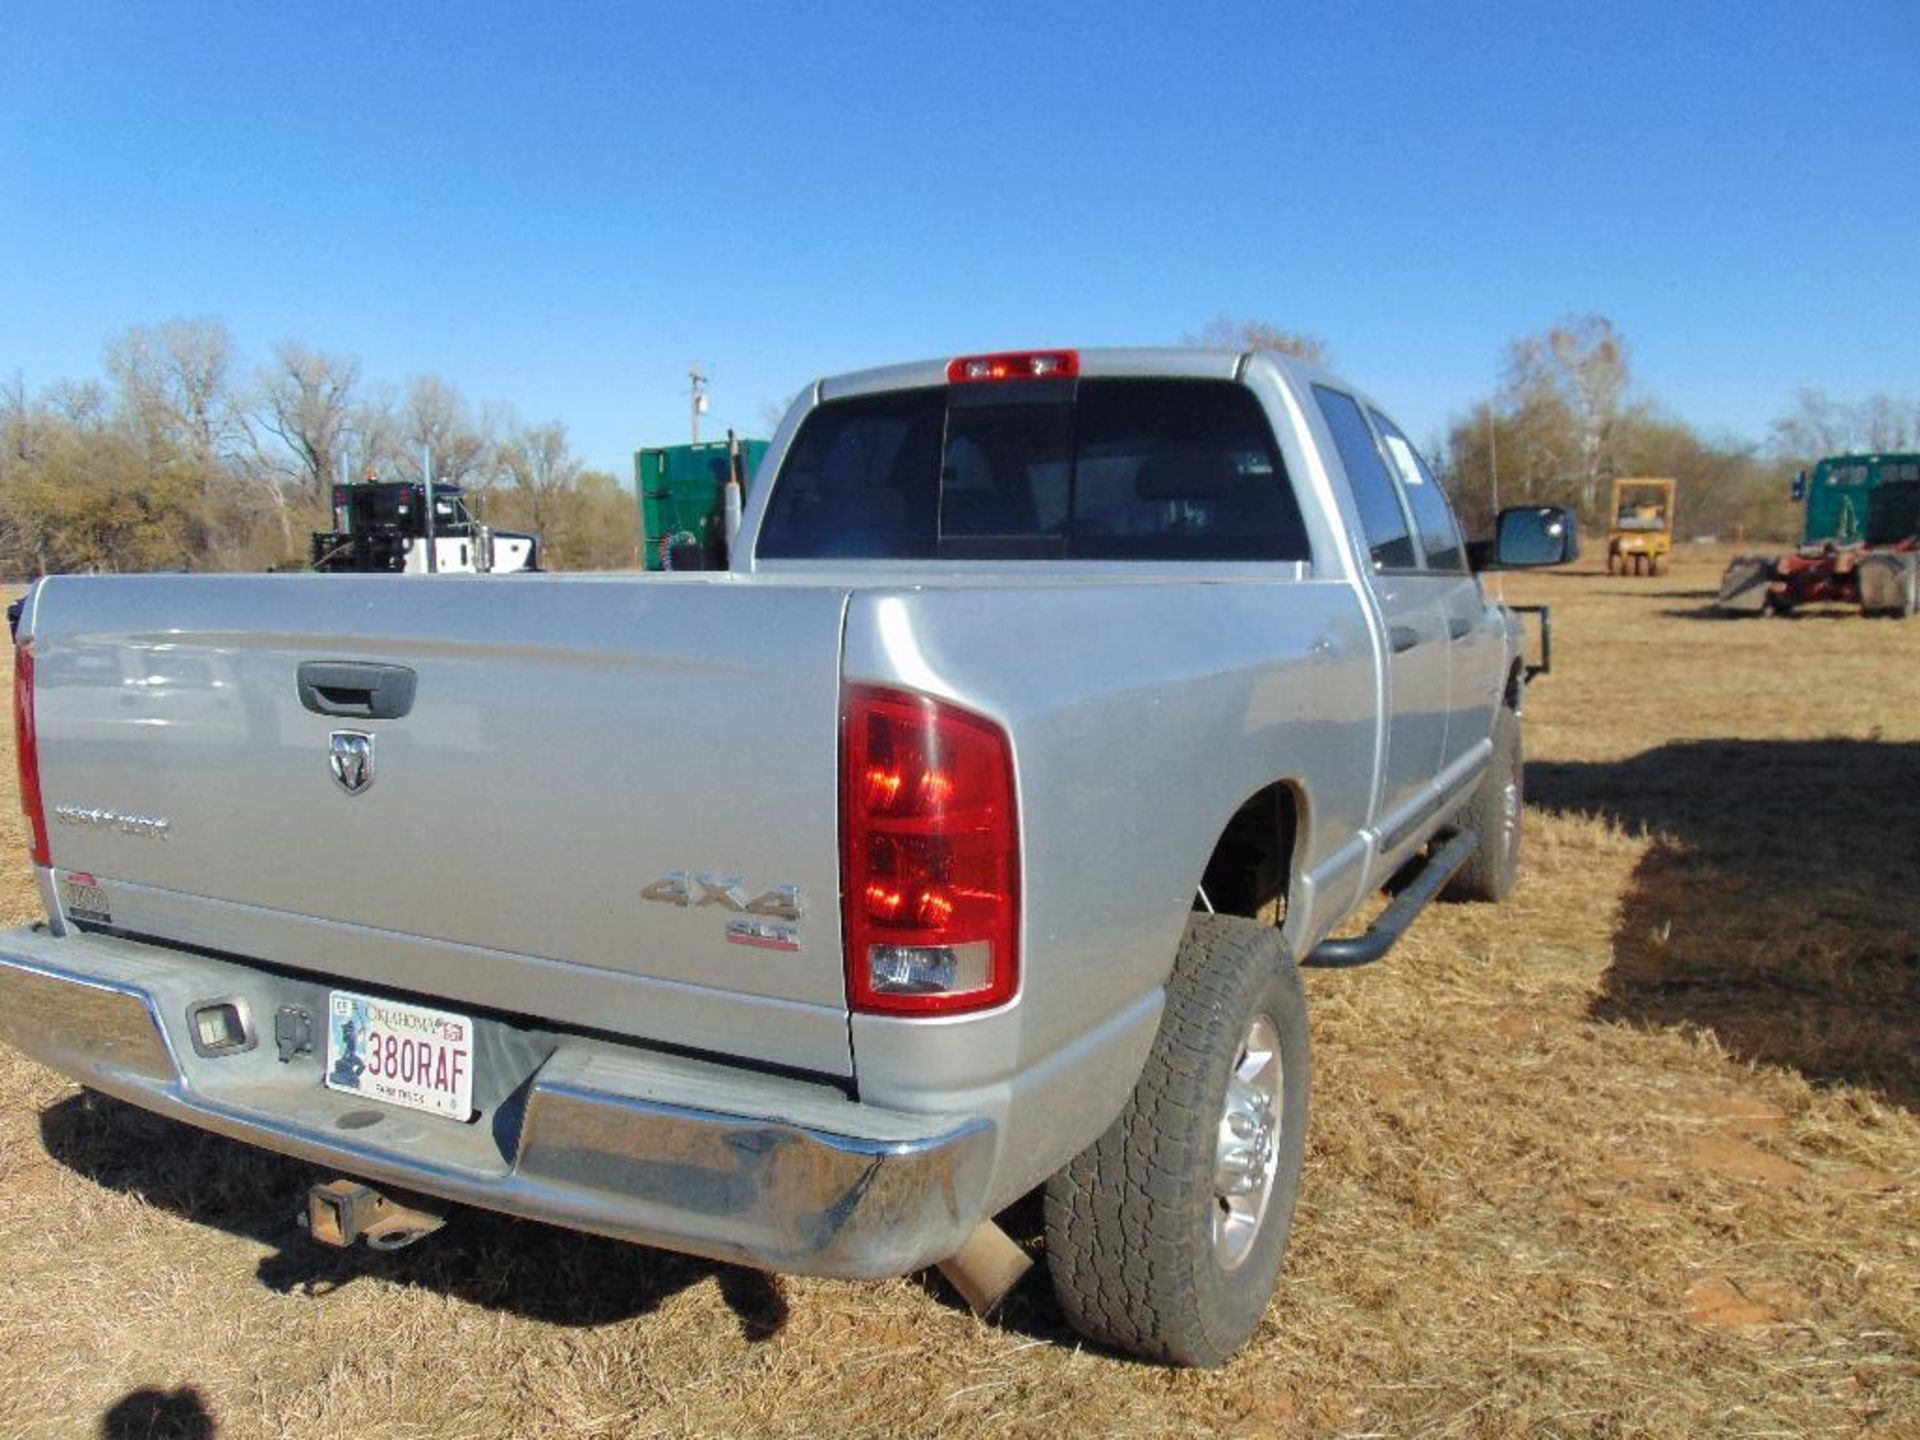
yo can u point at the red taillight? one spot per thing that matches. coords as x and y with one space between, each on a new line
26 746
1015 365
931 856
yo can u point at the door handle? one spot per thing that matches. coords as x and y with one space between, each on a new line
356 689
1403 638
1458 627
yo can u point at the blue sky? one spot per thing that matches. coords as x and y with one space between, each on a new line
563 205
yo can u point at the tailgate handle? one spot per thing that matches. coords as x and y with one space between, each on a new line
356 689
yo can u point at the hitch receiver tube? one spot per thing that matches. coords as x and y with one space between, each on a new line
343 1211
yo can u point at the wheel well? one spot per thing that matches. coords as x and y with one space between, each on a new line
1251 867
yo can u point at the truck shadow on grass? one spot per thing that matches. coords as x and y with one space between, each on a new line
155 1414
1778 902
536 1271
495 1261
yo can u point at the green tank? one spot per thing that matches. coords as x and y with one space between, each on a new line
682 490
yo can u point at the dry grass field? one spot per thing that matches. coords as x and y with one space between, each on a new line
1635 1154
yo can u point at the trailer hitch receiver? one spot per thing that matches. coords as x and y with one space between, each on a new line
343 1211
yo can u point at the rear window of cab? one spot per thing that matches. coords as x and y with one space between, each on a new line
1119 469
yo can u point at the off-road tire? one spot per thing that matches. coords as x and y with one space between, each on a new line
1130 1220
1495 814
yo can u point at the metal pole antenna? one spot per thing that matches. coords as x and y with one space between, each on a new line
433 545
697 394
1493 459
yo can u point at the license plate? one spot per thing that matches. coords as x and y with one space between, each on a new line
401 1054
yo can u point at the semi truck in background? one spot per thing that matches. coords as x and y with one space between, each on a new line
404 527
1860 544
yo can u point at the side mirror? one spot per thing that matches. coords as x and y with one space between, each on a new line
1527 536
1799 491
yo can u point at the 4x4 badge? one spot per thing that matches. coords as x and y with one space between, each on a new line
695 892
351 754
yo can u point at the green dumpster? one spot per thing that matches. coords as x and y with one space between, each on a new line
682 497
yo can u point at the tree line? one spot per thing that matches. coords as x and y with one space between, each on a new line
1566 421
186 457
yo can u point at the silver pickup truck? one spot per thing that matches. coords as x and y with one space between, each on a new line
961 838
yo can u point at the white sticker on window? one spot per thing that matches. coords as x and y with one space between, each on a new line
1404 462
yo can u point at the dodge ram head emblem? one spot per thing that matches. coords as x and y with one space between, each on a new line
351 752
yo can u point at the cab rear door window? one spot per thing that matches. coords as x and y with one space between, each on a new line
1382 519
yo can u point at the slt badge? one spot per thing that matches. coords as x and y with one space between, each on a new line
351 755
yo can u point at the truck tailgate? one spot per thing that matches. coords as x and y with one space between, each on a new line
573 746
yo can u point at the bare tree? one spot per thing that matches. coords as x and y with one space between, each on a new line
436 416
79 402
377 435
307 403
1576 372
539 463
1887 423
1500 454
1223 333
16 424
175 383
1819 425
175 397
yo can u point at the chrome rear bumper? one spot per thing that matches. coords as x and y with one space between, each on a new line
662 1150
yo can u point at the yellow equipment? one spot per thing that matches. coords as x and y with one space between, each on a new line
1640 534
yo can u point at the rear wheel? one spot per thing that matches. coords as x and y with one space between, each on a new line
1495 814
1889 585
1165 1236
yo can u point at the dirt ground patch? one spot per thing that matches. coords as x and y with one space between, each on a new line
1636 1153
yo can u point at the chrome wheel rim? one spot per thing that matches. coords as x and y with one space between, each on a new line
1247 1144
